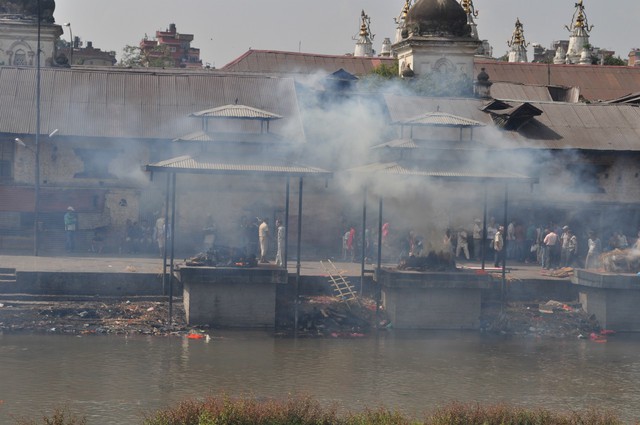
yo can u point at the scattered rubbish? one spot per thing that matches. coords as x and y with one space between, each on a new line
1 305
151 309
83 313
131 269
597 338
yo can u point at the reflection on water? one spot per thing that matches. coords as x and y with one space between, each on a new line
115 380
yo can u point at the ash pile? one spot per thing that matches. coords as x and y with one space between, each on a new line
223 257
434 262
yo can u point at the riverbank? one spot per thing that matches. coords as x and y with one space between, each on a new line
319 316
305 410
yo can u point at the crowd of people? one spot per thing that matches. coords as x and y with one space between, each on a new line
550 245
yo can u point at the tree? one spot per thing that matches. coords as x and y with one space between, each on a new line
618 61
136 57
386 71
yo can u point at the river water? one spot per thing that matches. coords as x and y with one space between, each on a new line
116 379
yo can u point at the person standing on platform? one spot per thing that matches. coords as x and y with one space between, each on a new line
280 236
70 228
498 247
263 238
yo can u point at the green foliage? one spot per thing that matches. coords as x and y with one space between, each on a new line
59 417
305 411
226 410
501 414
614 61
379 77
135 57
386 71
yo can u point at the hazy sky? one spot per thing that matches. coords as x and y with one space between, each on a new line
225 29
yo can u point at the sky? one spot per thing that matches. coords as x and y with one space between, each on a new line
225 29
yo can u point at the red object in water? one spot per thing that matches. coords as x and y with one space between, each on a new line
607 332
195 336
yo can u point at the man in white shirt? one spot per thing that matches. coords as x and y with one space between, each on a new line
549 242
263 237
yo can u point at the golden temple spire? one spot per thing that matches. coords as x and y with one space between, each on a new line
517 39
405 11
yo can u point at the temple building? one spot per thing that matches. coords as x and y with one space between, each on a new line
436 37
19 37
578 50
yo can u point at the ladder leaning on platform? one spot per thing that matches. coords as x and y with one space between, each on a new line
342 288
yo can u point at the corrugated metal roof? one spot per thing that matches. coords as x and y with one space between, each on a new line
518 91
216 165
237 112
440 119
595 126
398 168
595 82
147 104
273 61
398 143
211 137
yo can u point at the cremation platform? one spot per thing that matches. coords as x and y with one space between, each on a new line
230 296
612 298
432 300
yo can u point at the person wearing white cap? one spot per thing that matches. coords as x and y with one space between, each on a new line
70 227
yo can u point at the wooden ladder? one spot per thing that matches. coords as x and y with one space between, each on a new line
342 288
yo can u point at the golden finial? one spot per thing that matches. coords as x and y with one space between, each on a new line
579 20
365 26
468 7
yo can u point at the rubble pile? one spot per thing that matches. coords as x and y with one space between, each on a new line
81 318
551 319
435 262
329 316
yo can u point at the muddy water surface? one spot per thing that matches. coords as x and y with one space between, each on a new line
115 380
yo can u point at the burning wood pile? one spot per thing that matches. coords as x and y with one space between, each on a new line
222 257
434 262
621 261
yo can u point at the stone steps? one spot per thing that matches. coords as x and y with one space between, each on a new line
7 276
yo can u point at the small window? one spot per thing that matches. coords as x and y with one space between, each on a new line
20 58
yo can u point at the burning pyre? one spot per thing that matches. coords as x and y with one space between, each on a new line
223 257
435 262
